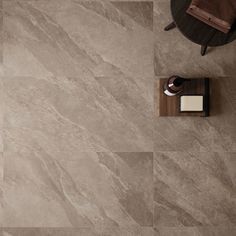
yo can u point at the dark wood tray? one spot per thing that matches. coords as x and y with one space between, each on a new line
170 106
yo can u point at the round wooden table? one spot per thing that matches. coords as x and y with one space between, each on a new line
195 30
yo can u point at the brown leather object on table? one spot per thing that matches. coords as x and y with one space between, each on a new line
219 14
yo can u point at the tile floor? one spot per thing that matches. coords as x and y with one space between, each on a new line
82 149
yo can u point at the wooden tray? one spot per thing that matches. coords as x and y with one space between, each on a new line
170 106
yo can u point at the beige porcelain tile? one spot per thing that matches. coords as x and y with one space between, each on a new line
109 86
215 133
48 232
175 54
2 112
174 231
196 231
1 91
1 189
215 231
1 169
77 81
67 38
1 134
196 189
101 190
1 36
70 115
74 232
140 11
143 231
77 114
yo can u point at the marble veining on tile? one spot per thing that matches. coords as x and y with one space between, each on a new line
82 190
79 124
107 85
1 37
76 118
141 12
195 231
144 231
194 163
196 189
77 115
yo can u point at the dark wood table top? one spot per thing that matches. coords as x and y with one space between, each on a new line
170 106
197 31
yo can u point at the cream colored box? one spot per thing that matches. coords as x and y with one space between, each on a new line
191 103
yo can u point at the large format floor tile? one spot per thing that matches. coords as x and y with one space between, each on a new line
195 189
77 93
75 232
93 64
1 189
76 38
196 231
65 114
1 113
1 37
79 124
80 190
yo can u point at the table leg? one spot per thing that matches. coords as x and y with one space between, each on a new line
203 50
171 26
